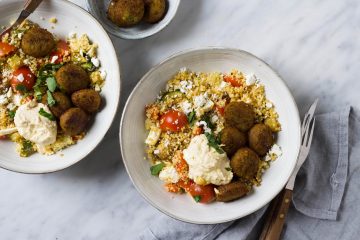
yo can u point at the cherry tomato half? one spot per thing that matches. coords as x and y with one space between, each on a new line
173 121
221 110
233 81
22 78
61 49
3 137
202 194
6 49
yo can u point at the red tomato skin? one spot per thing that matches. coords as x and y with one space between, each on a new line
206 193
233 81
3 137
6 49
29 78
62 48
173 121
221 110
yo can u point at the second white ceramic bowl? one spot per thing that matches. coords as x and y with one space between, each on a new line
133 134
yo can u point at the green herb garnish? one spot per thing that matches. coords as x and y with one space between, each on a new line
191 118
209 124
228 169
11 114
155 170
88 66
49 116
27 148
197 198
50 99
51 84
213 142
21 88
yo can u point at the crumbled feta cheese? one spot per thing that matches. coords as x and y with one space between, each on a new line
11 106
269 105
276 150
251 79
20 77
9 93
186 107
166 143
153 136
208 106
169 175
81 52
200 100
156 151
185 86
222 85
17 99
54 58
214 118
95 61
20 35
3 99
103 74
204 125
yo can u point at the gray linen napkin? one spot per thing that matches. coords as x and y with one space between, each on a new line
318 193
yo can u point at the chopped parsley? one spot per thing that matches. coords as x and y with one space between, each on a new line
49 116
27 148
21 88
88 66
209 124
191 118
197 198
50 99
11 114
155 170
214 142
46 80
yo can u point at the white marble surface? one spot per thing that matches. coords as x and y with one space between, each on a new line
313 44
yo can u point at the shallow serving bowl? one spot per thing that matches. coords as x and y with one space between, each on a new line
141 30
71 18
133 134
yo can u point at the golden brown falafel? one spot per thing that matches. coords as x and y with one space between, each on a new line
126 13
37 42
74 121
154 10
233 139
245 163
62 103
71 78
231 191
261 139
87 99
239 115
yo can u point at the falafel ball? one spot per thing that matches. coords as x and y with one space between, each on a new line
231 191
239 115
62 103
87 99
233 139
37 42
261 139
74 121
71 78
126 13
245 163
154 10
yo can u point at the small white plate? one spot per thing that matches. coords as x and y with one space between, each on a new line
71 18
141 30
133 134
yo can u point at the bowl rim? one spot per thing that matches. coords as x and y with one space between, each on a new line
113 114
135 36
169 58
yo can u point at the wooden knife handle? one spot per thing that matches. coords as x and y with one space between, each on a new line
276 216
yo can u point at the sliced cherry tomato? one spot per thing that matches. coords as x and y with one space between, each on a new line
22 80
202 194
173 121
61 49
221 110
6 49
233 81
3 137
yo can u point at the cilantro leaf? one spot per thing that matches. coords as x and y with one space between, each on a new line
209 124
191 118
155 170
51 83
50 99
197 198
49 116
11 114
21 88
213 142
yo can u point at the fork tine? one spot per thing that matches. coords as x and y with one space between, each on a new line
309 115
310 135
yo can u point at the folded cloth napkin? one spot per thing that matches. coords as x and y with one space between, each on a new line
326 193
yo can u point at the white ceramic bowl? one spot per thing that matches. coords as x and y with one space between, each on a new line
141 30
132 135
70 18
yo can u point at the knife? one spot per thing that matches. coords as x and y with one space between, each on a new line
279 206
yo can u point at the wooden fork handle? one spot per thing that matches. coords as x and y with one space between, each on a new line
276 216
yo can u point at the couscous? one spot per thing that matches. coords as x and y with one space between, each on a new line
211 135
49 88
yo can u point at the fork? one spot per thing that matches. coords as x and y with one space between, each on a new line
279 206
29 8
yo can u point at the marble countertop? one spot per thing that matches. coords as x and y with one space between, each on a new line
314 45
